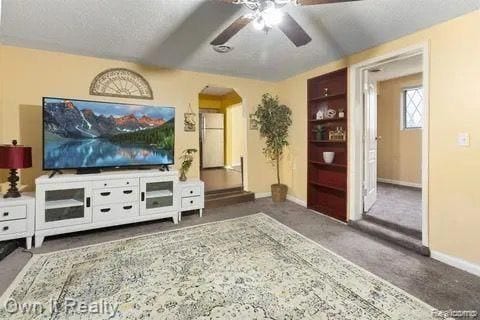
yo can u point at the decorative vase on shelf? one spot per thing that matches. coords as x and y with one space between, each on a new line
328 157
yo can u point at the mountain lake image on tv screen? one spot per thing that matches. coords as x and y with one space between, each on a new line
88 134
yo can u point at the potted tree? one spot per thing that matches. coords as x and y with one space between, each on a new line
187 160
273 121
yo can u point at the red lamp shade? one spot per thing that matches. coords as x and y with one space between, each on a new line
15 156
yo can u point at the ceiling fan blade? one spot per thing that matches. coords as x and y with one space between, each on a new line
294 31
314 2
231 30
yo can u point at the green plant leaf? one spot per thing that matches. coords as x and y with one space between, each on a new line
274 120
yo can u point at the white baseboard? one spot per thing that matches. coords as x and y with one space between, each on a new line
302 203
259 195
297 201
231 167
456 262
400 183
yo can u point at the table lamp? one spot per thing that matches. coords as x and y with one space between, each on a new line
14 157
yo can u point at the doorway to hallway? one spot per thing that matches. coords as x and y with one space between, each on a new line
394 113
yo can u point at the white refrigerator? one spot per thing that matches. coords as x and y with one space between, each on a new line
212 140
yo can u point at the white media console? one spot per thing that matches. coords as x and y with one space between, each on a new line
71 202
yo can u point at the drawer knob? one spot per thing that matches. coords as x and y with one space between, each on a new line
128 182
191 191
127 191
105 194
191 201
105 210
5 228
5 214
128 207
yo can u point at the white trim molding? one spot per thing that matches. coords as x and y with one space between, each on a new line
296 200
356 130
259 195
456 262
400 183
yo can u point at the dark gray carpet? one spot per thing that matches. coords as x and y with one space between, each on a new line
399 205
435 283
7 247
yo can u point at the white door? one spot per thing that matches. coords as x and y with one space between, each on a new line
213 148
370 171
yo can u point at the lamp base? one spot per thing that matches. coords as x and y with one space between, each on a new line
13 190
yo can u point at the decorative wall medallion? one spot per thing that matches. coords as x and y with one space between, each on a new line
123 83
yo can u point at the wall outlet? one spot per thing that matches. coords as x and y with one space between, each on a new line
463 139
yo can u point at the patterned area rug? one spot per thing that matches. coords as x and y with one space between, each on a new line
246 268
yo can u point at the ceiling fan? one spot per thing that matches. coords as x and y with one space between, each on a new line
267 14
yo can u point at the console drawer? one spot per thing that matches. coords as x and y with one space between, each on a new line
191 191
115 195
191 203
115 183
13 213
115 212
14 226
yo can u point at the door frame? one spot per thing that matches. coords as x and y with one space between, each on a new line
245 113
367 142
356 129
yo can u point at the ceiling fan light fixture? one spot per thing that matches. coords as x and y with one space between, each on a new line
259 23
272 17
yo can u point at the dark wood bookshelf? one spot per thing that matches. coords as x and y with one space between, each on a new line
328 97
327 120
327 186
327 183
328 141
332 165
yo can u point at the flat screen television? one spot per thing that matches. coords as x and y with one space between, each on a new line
83 135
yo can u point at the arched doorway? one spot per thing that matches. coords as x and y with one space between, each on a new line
222 144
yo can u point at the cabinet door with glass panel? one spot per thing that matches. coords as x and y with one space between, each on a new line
63 205
157 195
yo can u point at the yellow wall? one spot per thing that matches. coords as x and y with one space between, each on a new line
454 204
3 173
236 127
206 101
399 151
33 74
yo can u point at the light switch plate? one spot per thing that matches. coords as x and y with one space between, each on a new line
463 139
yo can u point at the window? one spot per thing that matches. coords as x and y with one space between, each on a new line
413 108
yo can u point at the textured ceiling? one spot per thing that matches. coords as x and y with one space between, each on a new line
398 68
176 33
